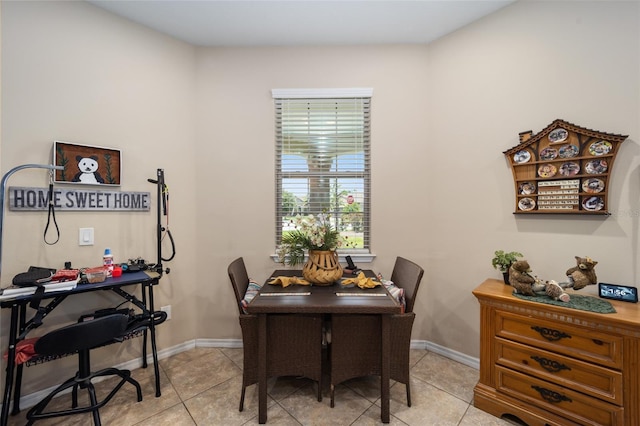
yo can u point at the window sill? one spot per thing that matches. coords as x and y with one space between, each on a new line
357 257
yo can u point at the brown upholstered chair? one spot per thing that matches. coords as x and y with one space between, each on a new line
294 341
356 339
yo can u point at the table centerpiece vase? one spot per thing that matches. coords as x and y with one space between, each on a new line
322 268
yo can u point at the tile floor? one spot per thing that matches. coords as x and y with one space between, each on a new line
202 387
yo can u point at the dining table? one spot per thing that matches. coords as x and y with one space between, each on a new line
335 298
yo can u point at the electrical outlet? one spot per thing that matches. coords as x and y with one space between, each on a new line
167 309
85 237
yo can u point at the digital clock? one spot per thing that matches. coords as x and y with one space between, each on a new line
618 292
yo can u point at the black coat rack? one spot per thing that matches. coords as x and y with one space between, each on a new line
162 195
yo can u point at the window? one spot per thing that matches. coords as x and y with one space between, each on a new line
322 160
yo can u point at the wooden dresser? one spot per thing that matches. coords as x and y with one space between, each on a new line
551 365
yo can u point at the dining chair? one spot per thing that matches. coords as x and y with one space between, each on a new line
294 341
81 337
355 349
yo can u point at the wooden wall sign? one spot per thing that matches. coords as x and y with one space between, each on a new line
563 169
37 199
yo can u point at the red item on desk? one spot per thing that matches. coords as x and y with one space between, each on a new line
117 271
65 275
24 350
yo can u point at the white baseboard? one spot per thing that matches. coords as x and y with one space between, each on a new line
447 353
218 343
32 399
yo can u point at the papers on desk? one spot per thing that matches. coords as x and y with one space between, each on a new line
363 294
303 293
15 291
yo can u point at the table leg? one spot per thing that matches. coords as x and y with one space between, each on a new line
154 350
262 368
22 320
144 333
147 310
8 385
385 368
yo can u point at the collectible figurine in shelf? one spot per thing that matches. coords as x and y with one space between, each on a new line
559 151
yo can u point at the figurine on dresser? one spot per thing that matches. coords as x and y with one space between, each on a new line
579 276
583 274
520 278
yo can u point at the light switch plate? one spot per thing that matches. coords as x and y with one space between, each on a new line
85 237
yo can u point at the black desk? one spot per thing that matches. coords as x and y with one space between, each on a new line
20 327
322 300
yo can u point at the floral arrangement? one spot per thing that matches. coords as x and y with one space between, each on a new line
310 233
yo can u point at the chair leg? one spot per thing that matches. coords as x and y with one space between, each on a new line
242 397
74 396
37 409
36 412
333 388
94 402
408 393
125 375
138 388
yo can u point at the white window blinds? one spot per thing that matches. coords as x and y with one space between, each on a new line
323 162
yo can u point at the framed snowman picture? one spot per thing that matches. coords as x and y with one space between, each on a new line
85 164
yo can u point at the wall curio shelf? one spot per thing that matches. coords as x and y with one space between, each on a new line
563 169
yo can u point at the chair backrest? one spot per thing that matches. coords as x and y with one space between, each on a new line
407 275
82 335
239 280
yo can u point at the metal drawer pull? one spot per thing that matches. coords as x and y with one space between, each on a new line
551 396
550 334
549 364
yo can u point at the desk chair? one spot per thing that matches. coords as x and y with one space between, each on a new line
294 342
82 337
356 339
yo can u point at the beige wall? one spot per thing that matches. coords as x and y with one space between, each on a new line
75 73
235 148
517 70
441 116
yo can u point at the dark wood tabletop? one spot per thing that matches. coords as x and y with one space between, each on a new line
315 299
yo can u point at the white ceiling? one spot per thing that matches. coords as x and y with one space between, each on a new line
303 22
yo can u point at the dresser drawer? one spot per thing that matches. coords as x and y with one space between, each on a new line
574 341
575 406
600 382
